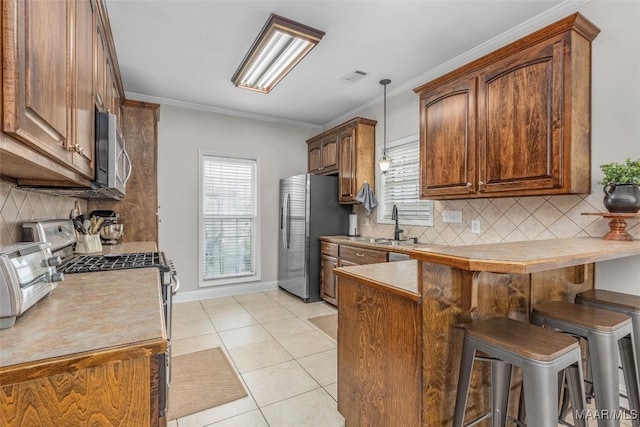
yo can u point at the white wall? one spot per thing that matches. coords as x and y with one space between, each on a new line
616 111
181 133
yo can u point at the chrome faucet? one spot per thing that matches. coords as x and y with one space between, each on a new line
394 216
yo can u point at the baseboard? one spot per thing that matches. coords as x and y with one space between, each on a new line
225 291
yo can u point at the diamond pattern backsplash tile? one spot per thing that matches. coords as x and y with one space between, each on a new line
18 206
506 219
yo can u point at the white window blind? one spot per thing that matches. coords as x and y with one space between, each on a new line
228 220
401 185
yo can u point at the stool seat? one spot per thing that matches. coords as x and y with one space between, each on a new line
523 339
608 337
624 302
541 354
585 316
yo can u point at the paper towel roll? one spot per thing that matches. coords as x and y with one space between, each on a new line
353 224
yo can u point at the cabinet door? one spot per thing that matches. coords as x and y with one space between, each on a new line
329 149
448 139
347 159
314 164
83 123
100 64
328 281
36 75
520 121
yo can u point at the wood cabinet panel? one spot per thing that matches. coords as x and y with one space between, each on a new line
377 335
327 248
117 393
347 175
348 150
329 148
328 281
314 160
36 75
362 256
84 103
520 134
530 102
448 124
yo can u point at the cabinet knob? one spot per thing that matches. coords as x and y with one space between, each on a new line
469 184
480 183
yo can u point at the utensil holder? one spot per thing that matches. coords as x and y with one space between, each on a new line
88 243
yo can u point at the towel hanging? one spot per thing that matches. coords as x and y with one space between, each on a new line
367 198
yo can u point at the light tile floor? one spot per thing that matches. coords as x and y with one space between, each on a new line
287 365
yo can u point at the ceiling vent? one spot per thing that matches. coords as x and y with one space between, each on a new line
355 76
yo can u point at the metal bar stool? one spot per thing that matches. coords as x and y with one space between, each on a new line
541 354
625 304
604 332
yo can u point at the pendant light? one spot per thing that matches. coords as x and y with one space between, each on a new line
385 161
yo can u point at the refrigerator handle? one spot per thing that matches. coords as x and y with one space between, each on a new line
288 241
284 220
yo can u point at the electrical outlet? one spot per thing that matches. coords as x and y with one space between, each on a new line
475 226
452 217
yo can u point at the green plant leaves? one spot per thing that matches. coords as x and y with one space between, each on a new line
616 173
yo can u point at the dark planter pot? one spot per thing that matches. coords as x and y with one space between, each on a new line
622 198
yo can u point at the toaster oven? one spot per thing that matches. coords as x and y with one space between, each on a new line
27 274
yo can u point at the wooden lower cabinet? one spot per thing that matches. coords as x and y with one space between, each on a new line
328 282
334 255
121 392
399 357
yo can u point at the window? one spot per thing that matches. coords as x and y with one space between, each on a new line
228 219
401 185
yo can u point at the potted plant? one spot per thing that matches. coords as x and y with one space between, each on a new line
621 181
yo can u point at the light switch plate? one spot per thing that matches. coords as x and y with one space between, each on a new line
452 217
475 226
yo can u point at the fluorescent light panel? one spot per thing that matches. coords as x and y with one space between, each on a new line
281 44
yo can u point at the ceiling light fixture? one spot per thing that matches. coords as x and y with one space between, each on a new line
281 44
385 161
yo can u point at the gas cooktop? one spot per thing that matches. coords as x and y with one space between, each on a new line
108 262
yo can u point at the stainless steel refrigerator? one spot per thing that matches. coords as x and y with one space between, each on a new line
308 209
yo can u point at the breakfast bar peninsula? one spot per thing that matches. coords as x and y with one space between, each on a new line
400 324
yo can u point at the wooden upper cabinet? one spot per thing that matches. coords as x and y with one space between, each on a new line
323 155
37 75
314 162
329 149
448 125
347 175
83 148
348 150
55 56
100 63
520 134
515 122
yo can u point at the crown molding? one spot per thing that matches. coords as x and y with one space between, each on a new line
218 110
537 22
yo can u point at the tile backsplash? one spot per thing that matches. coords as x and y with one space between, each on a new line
505 220
18 206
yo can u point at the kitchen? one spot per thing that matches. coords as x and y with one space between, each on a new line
282 152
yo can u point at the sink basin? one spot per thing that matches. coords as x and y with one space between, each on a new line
392 242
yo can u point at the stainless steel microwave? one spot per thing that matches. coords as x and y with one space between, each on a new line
112 162
112 165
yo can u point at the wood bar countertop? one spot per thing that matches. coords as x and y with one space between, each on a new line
398 278
528 256
87 313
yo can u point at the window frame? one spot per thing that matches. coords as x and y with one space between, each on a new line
380 186
202 282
